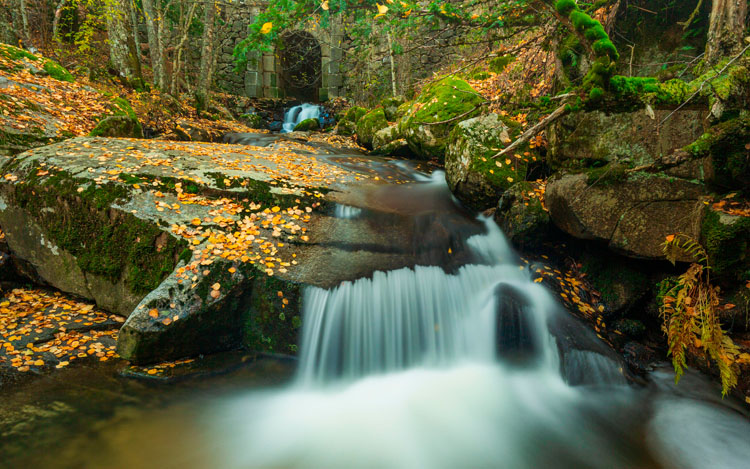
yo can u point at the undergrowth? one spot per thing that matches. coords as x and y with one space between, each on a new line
689 313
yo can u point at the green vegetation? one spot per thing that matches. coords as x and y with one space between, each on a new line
307 125
120 248
727 243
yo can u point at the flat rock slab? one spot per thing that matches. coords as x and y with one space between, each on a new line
202 246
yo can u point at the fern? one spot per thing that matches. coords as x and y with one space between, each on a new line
689 315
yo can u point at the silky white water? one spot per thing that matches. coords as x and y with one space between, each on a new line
297 114
422 368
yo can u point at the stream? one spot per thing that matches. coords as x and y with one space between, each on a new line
459 360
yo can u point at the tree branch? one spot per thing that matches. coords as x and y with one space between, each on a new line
526 136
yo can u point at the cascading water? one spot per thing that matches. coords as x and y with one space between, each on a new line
418 367
297 114
461 361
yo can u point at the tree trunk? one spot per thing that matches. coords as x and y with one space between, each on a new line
727 24
25 21
153 18
203 90
122 50
56 19
393 66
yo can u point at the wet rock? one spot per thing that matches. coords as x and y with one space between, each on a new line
522 217
473 176
632 213
516 339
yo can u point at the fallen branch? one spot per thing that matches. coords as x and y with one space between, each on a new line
526 136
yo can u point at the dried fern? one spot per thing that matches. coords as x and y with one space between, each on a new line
688 311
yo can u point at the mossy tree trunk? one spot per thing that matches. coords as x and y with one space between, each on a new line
727 24
121 35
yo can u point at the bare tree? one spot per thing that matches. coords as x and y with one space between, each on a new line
202 91
154 19
121 31
25 23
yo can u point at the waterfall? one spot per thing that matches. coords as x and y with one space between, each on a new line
297 114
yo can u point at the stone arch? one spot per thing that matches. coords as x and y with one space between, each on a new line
299 65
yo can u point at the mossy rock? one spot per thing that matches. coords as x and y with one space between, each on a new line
385 136
254 121
522 217
391 108
727 241
57 71
475 178
307 125
345 128
353 114
726 145
117 126
429 120
369 124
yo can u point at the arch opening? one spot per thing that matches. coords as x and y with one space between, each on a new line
300 58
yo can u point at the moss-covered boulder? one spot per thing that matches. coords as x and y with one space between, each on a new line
727 241
35 64
254 121
634 137
369 124
475 178
391 107
118 126
430 118
307 125
345 128
385 136
632 213
354 114
522 217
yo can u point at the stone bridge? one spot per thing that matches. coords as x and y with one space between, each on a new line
304 64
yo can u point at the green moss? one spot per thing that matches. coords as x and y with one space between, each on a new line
271 325
726 144
354 114
117 126
498 64
369 124
307 125
610 278
442 101
122 107
564 7
110 244
16 53
57 71
727 242
596 94
611 173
